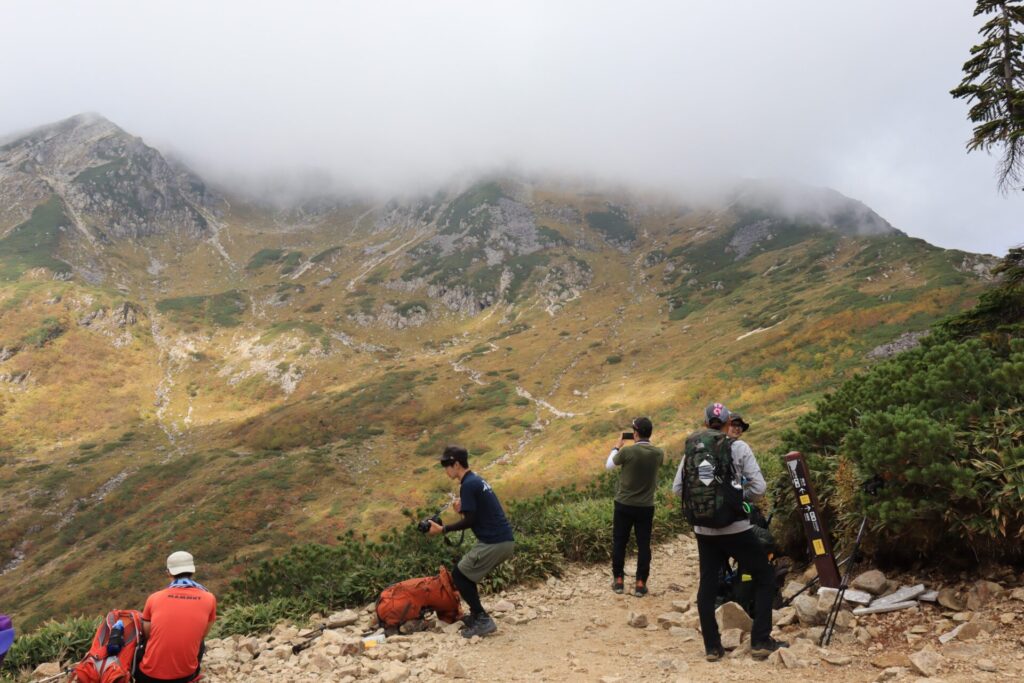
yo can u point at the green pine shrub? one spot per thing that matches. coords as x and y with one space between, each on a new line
943 426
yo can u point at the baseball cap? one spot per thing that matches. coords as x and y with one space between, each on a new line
716 411
736 417
180 562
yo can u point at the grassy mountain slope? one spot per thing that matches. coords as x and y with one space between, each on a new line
288 376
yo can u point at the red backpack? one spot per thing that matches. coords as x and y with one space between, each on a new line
409 599
115 666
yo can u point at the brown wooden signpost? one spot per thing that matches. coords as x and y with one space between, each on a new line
814 525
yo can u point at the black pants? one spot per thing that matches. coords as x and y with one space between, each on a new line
745 548
143 678
468 591
626 518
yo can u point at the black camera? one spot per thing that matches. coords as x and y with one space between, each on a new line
627 436
424 525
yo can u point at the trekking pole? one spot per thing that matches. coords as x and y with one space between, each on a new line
833 613
309 638
55 676
810 584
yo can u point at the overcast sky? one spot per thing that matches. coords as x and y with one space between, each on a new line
391 95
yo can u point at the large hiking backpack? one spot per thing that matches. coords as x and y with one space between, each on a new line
711 495
735 585
105 663
410 599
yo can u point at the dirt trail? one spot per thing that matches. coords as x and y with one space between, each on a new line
576 629
586 637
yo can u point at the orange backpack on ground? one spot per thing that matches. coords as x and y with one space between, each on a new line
409 599
106 662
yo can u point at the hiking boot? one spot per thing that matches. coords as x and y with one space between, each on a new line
482 626
762 650
617 585
641 588
714 654
468 620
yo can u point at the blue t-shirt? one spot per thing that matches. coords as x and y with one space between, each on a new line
490 524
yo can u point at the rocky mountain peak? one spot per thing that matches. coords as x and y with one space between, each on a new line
112 185
807 205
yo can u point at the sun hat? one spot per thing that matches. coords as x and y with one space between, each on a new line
180 562
736 417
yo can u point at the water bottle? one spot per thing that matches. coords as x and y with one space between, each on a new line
116 640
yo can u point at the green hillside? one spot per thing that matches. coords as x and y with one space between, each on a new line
295 380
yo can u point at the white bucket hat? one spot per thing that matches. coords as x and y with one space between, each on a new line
180 562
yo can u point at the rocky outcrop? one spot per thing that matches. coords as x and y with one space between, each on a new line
112 185
462 299
750 235
564 283
394 316
905 342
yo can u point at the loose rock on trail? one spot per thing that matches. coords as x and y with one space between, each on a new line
576 629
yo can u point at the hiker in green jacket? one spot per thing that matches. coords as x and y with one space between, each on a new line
634 502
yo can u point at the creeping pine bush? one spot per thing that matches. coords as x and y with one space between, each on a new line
943 426
566 524
67 641
563 525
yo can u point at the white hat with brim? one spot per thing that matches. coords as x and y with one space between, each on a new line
181 562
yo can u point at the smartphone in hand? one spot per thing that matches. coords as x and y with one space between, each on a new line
627 436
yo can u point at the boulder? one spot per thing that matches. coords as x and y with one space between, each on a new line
926 662
894 607
850 595
454 669
949 599
394 673
250 645
789 659
637 620
784 616
683 606
731 615
731 638
342 619
986 665
807 610
670 619
836 659
981 593
901 595
1017 594
872 581
684 634
824 604
503 606
888 660
966 631
791 588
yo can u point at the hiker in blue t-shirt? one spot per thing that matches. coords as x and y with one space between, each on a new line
482 513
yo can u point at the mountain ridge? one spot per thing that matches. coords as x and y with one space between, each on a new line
300 367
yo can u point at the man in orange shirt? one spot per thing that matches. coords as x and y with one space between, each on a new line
174 622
